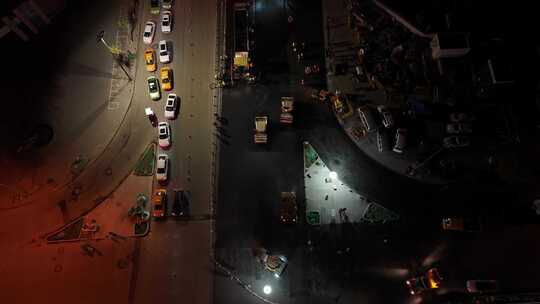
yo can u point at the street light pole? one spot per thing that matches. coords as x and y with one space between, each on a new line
100 38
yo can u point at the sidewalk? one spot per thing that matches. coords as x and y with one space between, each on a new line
66 270
95 181
340 38
79 135
110 219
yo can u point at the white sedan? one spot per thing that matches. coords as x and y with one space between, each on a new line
162 167
164 134
164 52
171 106
166 22
149 32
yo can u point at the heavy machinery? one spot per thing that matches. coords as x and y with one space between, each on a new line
287 106
260 136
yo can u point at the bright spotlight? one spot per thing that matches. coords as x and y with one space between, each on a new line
333 175
267 289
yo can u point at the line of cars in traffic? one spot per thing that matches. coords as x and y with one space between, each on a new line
166 77
180 207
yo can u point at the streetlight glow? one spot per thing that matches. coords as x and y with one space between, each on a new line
267 289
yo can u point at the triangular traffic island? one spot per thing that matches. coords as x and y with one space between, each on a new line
70 232
145 165
330 201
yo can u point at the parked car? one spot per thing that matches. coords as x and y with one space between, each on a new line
167 3
400 141
164 52
153 88
149 32
368 119
386 116
150 60
456 141
166 22
160 203
461 117
458 128
382 140
171 106
162 167
430 280
166 78
180 206
164 134
481 286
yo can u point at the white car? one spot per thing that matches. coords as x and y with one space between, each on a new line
162 167
153 88
458 128
166 3
166 22
164 52
400 140
149 32
171 106
164 134
456 141
387 119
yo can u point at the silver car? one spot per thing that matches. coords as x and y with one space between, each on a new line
386 115
166 22
149 31
162 167
164 52
401 140
164 135
171 106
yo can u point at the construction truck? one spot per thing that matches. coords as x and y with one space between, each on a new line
275 264
287 106
288 212
260 136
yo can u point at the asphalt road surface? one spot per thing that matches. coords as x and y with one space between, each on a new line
373 271
174 262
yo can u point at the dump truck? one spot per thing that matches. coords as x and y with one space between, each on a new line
287 106
260 136
288 211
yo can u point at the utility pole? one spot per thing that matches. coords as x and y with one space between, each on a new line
114 52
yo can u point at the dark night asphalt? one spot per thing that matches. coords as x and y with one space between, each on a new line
252 177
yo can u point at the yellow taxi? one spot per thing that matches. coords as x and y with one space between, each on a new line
160 203
166 78
150 60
